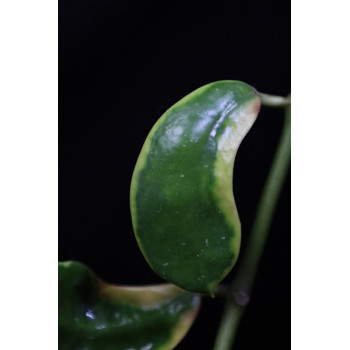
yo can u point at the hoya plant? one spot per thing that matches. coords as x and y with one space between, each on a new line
187 227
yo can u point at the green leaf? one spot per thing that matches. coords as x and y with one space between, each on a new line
183 210
95 315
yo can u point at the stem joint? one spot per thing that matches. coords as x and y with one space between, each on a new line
241 298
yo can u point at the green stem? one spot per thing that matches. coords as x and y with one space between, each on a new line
274 101
240 289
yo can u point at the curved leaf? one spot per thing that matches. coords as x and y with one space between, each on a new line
95 315
183 210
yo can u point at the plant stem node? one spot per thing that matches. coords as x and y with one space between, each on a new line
241 298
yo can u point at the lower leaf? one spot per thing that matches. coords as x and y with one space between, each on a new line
94 315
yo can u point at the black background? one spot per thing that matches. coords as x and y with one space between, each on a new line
121 65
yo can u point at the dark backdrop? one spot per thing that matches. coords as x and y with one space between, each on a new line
121 65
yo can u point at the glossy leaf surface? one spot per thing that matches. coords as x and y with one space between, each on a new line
94 315
182 205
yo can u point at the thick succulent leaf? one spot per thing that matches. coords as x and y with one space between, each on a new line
94 315
182 205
